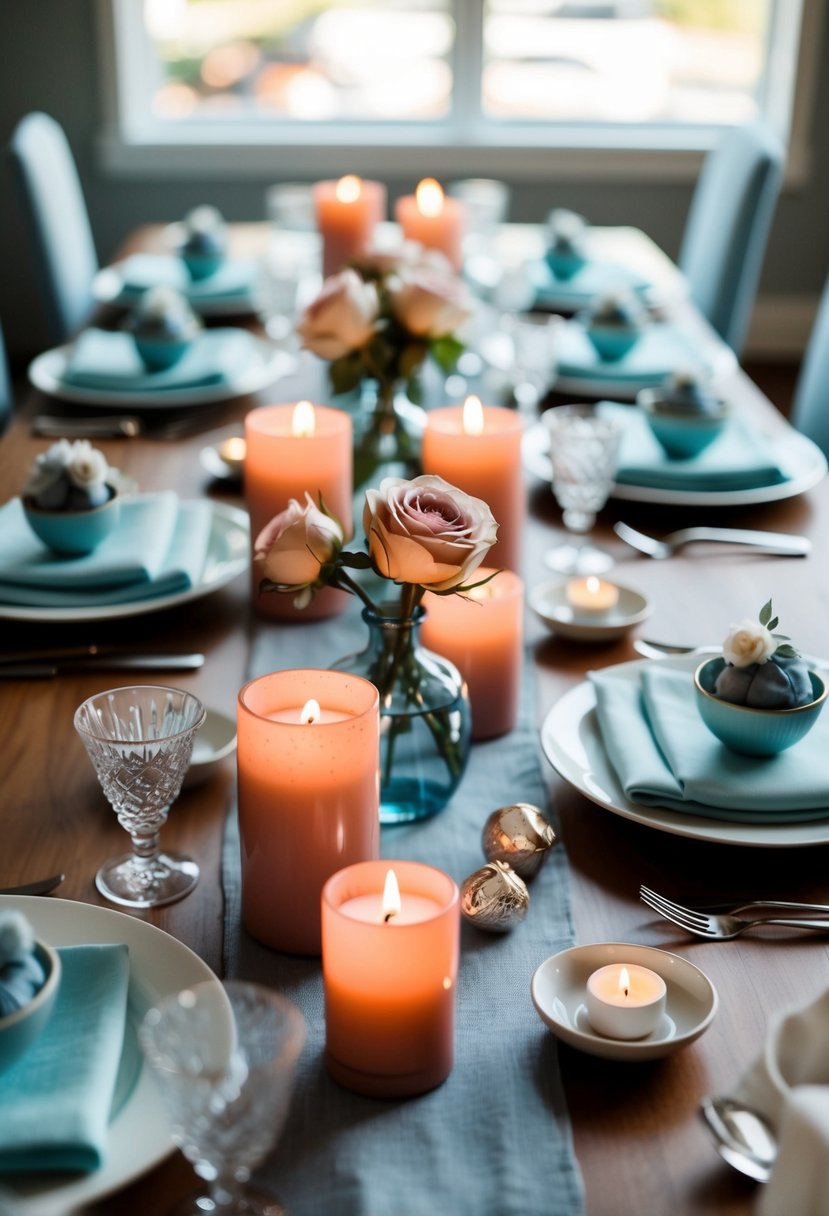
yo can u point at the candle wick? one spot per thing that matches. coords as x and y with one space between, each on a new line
626 992
388 917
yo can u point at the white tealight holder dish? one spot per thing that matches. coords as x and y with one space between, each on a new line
559 993
213 744
225 461
550 604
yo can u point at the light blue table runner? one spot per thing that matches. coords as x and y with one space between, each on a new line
494 1139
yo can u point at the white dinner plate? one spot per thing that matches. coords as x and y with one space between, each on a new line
802 459
228 554
572 742
265 365
108 286
715 359
139 1133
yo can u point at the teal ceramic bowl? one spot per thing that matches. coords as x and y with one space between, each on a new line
564 263
19 1030
754 732
612 342
159 353
202 265
74 532
682 434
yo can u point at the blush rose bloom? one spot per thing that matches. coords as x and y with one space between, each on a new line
295 545
342 317
427 532
428 303
748 643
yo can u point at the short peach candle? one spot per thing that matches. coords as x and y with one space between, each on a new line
482 634
478 449
309 796
625 1001
348 212
390 974
433 220
290 449
591 596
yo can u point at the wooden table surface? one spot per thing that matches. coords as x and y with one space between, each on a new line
638 1137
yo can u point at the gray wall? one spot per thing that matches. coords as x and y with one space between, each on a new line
49 62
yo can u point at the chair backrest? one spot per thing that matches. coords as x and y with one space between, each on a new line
728 226
810 407
6 398
58 221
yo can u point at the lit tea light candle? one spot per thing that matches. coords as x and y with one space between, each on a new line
291 449
625 1001
433 220
390 947
309 796
348 212
232 452
478 449
482 634
591 596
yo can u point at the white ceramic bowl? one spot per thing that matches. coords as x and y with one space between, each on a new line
214 743
549 602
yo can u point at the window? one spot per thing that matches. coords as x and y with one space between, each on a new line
467 80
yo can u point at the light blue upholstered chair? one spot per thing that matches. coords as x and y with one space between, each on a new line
728 226
55 210
810 408
6 397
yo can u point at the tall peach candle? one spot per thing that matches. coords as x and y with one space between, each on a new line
478 449
433 220
309 796
390 980
348 212
289 451
483 636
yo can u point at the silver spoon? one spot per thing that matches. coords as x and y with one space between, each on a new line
743 1138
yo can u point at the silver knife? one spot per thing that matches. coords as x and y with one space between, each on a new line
40 887
122 426
45 669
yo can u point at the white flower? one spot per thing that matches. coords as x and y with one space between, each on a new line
747 643
87 468
428 303
291 550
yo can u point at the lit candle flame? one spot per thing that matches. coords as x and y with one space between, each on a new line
391 897
624 982
304 420
473 416
311 713
429 197
348 189
233 449
592 588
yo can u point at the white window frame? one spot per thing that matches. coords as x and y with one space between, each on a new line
133 143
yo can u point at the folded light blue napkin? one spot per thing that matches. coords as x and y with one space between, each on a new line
234 279
55 1100
159 547
661 349
739 458
103 359
664 755
593 279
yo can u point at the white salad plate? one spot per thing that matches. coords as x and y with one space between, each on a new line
139 1132
108 287
228 554
572 742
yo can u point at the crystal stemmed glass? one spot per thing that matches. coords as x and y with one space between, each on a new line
584 450
140 739
224 1059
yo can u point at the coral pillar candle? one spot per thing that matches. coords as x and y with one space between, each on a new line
309 796
291 449
390 973
478 449
348 212
625 1001
482 634
433 220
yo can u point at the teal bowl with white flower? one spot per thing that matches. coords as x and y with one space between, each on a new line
74 532
682 433
750 730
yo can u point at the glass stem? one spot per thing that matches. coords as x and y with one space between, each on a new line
145 847
226 1193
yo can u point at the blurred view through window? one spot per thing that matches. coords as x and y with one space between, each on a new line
477 61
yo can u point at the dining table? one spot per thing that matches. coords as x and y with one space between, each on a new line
639 1141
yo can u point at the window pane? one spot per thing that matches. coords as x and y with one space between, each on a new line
300 60
682 61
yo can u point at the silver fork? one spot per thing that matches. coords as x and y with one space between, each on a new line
767 542
726 925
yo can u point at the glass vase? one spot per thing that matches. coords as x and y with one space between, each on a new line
425 720
388 432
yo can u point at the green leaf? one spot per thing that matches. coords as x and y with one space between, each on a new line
765 613
787 652
414 390
772 625
411 358
446 351
345 373
355 561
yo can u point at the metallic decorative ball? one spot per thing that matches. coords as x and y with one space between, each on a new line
519 835
494 898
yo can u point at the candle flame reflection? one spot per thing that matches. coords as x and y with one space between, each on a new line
311 713
391 897
473 416
348 189
429 197
624 980
303 420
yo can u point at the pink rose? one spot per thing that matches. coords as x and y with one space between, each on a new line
428 303
426 531
291 550
342 318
